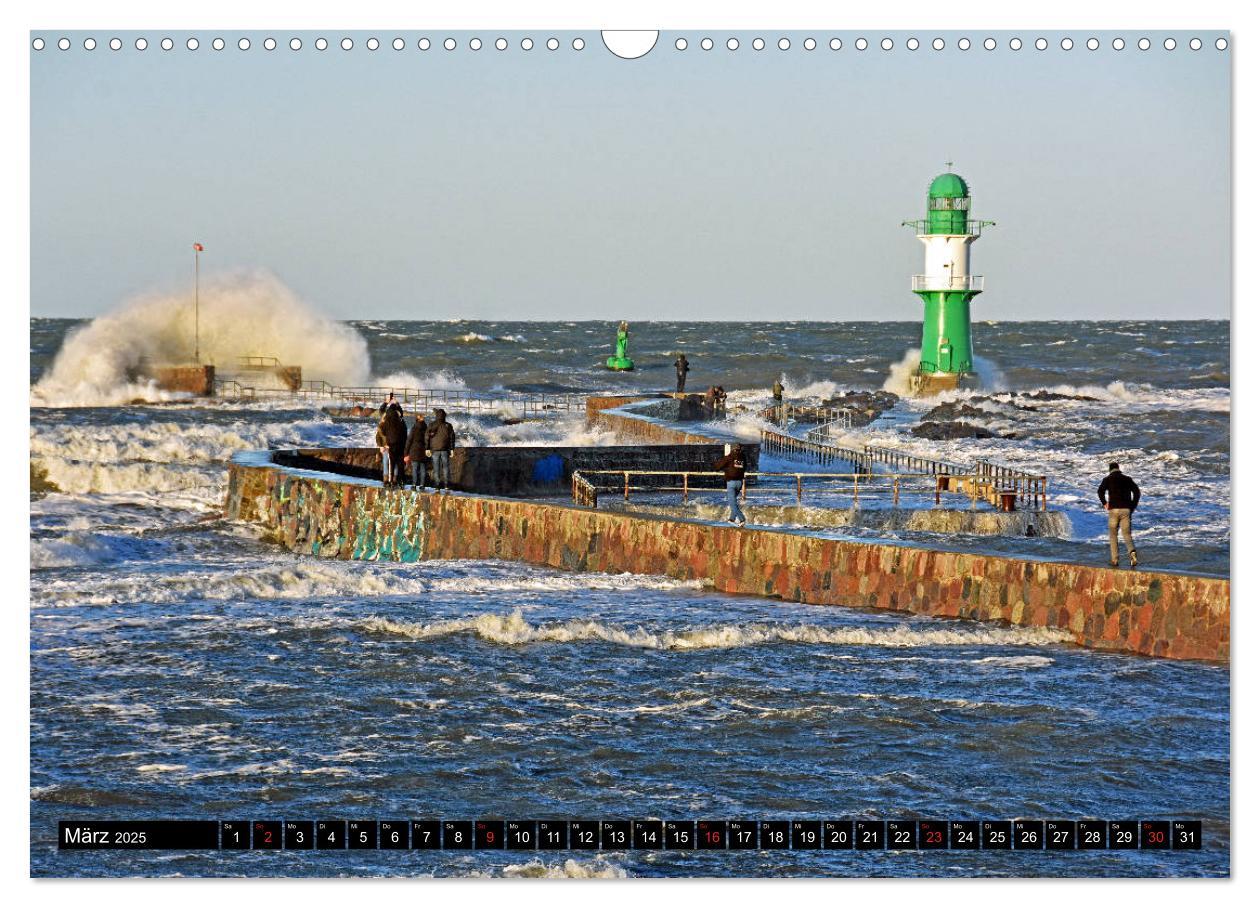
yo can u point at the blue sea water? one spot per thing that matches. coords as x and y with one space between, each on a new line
182 666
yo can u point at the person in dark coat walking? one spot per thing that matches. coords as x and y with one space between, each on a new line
682 367
1119 495
441 441
413 454
732 467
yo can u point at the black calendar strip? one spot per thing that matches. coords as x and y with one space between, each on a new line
630 835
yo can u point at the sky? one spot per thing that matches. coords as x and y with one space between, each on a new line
693 184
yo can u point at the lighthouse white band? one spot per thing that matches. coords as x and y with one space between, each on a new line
946 262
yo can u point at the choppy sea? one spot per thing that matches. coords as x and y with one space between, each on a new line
181 667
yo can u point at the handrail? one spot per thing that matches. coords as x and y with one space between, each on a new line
455 399
820 433
972 282
924 228
780 443
982 481
857 484
258 361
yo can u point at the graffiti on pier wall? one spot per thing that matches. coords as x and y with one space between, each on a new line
340 520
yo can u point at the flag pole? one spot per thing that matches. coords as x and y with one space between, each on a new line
197 302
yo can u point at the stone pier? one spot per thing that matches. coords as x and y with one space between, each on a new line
341 516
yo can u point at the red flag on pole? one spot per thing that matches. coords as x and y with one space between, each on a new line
199 247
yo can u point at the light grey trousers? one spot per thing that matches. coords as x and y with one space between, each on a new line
1120 519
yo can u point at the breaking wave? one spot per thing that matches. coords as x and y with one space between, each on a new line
157 456
514 630
898 381
989 374
99 364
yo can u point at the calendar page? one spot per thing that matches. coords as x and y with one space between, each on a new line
758 453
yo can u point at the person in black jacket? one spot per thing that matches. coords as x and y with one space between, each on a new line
682 367
413 453
441 442
1119 495
732 467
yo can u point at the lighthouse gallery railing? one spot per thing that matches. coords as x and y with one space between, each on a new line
936 282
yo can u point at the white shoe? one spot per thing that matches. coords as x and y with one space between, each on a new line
740 523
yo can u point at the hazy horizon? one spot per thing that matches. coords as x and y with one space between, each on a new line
687 185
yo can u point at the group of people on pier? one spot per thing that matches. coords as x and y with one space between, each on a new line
413 451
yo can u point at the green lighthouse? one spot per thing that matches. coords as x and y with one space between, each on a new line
946 285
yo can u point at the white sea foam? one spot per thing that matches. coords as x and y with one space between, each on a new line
1015 661
513 630
898 381
159 456
570 869
296 579
78 549
441 380
244 314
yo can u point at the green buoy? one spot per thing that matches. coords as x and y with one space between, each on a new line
619 361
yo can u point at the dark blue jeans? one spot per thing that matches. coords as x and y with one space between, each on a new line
442 469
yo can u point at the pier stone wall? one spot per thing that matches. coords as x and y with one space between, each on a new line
198 380
1145 612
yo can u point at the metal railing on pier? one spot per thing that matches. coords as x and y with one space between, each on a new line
821 489
782 414
419 398
258 362
822 433
903 460
1002 487
780 444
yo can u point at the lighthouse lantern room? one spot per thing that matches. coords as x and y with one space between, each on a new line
946 285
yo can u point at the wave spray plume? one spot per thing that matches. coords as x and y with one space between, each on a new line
248 314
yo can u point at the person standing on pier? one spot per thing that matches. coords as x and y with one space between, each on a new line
441 441
682 367
1119 495
413 454
777 392
732 467
391 438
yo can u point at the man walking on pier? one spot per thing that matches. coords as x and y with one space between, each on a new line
682 367
441 441
732 467
413 454
1119 495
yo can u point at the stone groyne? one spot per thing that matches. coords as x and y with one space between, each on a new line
340 516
